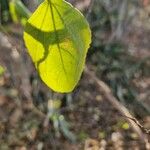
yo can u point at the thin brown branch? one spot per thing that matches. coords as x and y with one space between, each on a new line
106 91
147 131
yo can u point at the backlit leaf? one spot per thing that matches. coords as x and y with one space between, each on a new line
57 37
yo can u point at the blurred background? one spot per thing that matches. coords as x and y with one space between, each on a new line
32 117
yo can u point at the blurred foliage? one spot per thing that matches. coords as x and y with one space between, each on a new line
118 70
112 61
1 70
19 12
4 11
15 10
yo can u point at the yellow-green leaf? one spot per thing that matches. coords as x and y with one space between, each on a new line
57 37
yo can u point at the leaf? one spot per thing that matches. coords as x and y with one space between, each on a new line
57 37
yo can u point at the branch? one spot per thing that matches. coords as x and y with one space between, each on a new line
147 131
103 88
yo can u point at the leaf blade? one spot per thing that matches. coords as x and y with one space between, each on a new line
57 43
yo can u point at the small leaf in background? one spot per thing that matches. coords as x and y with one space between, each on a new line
57 37
19 12
1 70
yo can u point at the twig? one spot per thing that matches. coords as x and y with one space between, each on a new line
106 91
147 131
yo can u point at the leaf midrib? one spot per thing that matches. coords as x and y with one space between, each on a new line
57 39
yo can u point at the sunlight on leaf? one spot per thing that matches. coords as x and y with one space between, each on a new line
57 37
